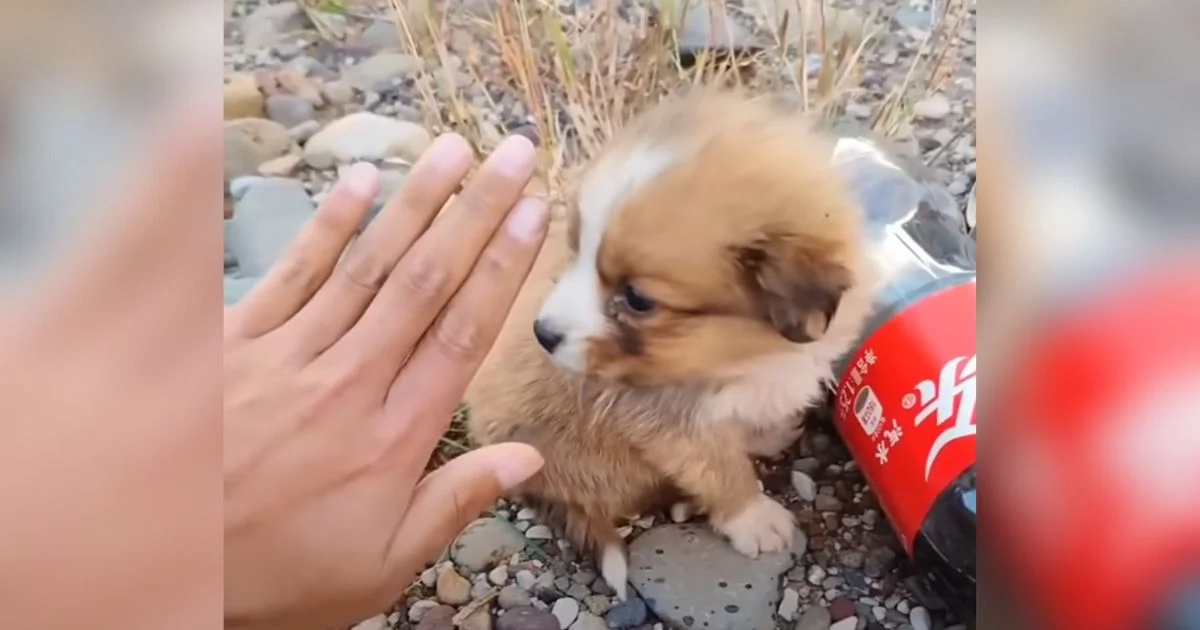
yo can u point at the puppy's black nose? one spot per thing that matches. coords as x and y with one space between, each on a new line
548 338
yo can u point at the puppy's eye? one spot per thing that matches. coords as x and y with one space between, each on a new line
634 300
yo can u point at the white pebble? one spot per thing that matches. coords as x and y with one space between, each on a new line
919 618
539 532
849 623
526 579
816 575
880 613
935 107
902 606
789 605
499 575
565 610
393 618
805 487
625 531
429 577
526 514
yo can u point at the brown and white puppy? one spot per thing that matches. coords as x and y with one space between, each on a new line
709 273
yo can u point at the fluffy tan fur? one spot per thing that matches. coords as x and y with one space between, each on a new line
749 246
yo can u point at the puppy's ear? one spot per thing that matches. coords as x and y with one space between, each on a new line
795 284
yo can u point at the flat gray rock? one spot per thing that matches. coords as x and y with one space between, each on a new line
484 543
379 73
693 578
267 217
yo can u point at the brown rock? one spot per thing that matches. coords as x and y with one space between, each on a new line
251 141
290 82
453 588
280 166
242 98
437 618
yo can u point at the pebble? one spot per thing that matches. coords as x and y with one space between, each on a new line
840 608
521 526
827 503
499 575
935 107
919 618
418 609
849 623
688 575
378 73
583 576
242 98
902 606
480 588
879 612
338 92
438 618
565 610
578 591
562 583
527 618
251 141
378 622
305 130
429 577
268 216
879 561
453 588
816 575
597 604
789 604
588 621
627 614
851 558
815 618
513 596
959 186
804 485
861 111
484 543
289 110
280 166
526 514
368 136
381 35
539 532
807 465
270 23
481 619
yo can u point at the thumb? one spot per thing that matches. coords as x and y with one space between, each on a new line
449 498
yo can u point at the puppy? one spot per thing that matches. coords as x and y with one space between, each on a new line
709 272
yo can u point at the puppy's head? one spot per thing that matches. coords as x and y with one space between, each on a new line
712 232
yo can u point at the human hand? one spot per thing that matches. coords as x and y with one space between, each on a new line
341 376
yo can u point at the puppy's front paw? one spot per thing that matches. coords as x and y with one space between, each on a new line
763 526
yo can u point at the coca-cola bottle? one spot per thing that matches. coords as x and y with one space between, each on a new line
905 399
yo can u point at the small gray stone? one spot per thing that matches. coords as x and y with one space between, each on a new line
578 591
437 618
338 93
565 610
539 532
527 618
583 576
815 618
252 141
597 604
827 503
267 218
271 23
959 186
903 606
513 596
289 110
418 609
878 562
480 588
701 29
429 577
526 514
378 622
889 57
804 485
305 130
913 17
789 604
484 543
522 526
588 621
935 107
851 558
861 111
378 73
690 576
481 619
807 465
627 614
381 35
879 612
919 618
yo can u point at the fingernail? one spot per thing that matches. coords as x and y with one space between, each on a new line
515 157
451 150
362 179
522 463
527 221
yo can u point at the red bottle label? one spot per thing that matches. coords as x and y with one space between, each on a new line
906 406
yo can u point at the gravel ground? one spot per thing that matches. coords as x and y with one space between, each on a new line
307 92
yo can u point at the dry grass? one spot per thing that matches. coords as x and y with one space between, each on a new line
580 75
